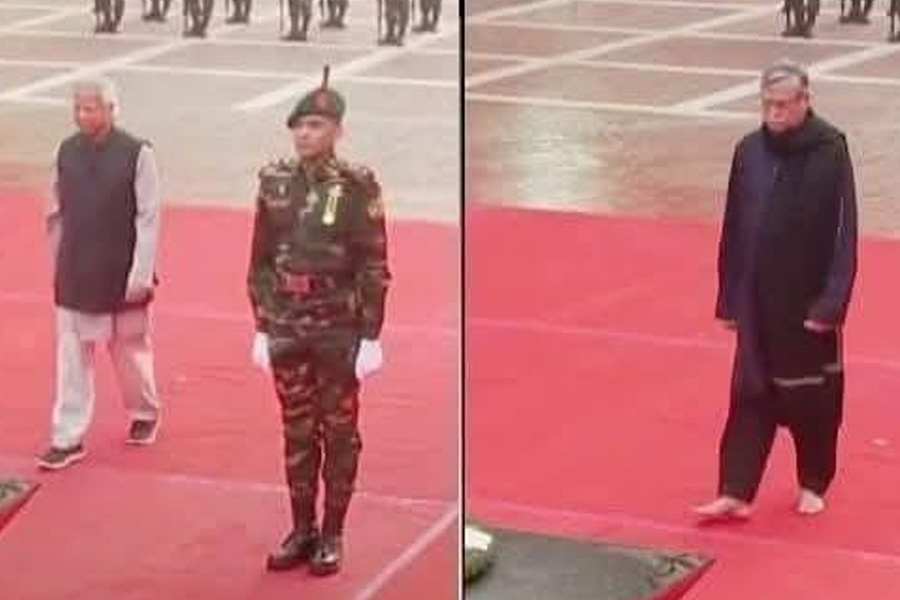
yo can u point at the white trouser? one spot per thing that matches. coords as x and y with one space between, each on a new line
127 336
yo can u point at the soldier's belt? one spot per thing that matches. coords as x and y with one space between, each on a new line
302 284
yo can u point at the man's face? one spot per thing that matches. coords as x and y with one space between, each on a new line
784 105
314 136
93 116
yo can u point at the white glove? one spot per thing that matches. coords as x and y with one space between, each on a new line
368 358
260 352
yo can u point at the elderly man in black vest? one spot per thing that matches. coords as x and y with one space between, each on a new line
787 264
103 225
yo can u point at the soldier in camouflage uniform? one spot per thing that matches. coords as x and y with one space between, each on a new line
109 15
197 15
397 18
317 281
431 12
296 10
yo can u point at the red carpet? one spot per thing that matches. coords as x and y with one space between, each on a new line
596 392
194 515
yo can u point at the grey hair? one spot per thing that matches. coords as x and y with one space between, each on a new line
101 85
782 70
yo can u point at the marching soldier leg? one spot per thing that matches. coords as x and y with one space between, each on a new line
101 9
306 13
296 390
118 13
795 14
154 14
812 13
435 14
106 17
191 15
235 16
332 20
339 406
894 14
389 19
298 9
341 12
403 22
206 8
424 9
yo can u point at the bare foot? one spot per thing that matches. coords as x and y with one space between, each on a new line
723 508
810 503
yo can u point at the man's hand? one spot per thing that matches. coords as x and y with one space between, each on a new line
259 353
817 326
369 358
138 295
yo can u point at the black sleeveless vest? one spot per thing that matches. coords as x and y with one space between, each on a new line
97 209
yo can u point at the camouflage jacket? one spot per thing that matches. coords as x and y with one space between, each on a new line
318 266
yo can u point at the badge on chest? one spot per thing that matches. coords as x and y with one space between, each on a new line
332 202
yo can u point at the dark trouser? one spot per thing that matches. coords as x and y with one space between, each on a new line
159 7
199 12
296 10
319 397
812 414
241 11
397 18
336 10
431 12
894 13
857 7
801 14
109 14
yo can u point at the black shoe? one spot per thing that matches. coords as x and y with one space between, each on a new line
295 36
143 433
55 459
327 558
296 549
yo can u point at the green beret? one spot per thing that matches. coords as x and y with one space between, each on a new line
321 101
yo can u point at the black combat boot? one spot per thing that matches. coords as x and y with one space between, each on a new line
326 560
297 548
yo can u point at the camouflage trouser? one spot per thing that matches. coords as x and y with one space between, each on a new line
198 13
159 7
109 13
857 7
241 9
297 9
397 18
319 396
431 11
336 10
